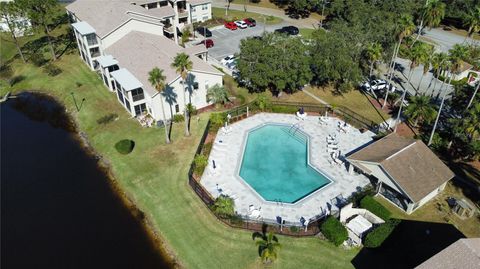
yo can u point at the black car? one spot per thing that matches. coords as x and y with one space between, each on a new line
204 31
289 30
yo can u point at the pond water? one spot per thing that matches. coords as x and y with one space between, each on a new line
58 209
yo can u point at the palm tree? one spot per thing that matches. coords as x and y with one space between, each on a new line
374 53
268 246
157 79
224 206
218 94
405 28
438 64
473 95
448 67
472 21
420 109
472 122
425 58
432 15
183 65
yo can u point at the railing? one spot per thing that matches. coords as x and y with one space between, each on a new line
138 97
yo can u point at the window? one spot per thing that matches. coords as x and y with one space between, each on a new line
177 108
206 84
204 7
195 85
127 105
95 52
120 95
140 109
205 18
92 39
194 9
137 94
113 68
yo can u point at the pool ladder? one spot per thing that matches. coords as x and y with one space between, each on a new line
278 201
295 127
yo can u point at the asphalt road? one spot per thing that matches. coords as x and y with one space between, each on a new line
445 40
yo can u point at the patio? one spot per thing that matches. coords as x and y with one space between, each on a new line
227 155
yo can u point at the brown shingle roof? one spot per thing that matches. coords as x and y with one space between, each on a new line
464 253
410 163
106 15
140 52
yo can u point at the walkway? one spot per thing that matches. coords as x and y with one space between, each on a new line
308 23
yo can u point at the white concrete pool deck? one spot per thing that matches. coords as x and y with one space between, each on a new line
227 153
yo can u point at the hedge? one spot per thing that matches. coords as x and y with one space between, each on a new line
375 207
284 109
376 237
334 231
125 146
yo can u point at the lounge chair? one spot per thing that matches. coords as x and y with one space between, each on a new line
332 150
226 130
301 116
332 146
323 120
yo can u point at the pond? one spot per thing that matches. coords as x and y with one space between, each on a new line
58 208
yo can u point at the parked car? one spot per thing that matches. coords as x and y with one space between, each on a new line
377 84
230 25
241 24
204 31
228 60
250 22
232 65
289 30
207 42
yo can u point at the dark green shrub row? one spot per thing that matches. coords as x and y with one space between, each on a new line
376 237
334 231
217 120
52 70
200 161
178 118
375 207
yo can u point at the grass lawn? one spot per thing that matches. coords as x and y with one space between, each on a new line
353 100
307 33
268 4
154 177
437 210
237 14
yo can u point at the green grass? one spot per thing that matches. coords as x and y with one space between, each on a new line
307 33
154 177
237 14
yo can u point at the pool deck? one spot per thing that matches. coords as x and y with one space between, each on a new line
227 153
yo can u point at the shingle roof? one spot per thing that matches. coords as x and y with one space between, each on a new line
410 163
140 52
106 15
464 253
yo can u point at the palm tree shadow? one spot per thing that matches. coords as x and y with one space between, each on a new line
262 235
170 98
190 88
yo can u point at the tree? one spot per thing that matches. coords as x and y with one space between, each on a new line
12 16
268 246
473 95
420 109
185 35
374 54
434 13
404 28
472 21
218 94
425 59
41 12
224 206
157 80
438 64
183 65
471 122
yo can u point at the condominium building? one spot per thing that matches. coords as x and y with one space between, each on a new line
124 39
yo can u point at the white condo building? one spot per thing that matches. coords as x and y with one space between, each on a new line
124 39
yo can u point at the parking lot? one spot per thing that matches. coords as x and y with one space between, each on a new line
228 42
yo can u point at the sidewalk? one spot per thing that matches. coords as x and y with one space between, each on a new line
308 23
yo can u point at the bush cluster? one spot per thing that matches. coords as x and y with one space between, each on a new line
200 161
375 207
376 237
334 231
107 118
37 58
125 146
52 70
217 120
178 118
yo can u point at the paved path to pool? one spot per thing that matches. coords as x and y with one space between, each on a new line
227 153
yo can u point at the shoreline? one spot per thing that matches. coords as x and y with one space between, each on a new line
104 166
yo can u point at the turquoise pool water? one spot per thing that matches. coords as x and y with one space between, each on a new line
275 164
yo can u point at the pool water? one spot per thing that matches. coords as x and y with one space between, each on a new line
275 164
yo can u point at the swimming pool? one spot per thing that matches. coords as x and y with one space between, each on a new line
275 164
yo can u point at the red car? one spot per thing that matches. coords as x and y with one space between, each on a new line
250 22
207 42
231 25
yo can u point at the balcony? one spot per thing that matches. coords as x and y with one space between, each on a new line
182 13
138 97
94 53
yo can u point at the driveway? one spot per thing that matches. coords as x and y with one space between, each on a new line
445 40
228 42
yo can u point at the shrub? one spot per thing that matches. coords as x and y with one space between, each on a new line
294 229
217 120
334 231
178 118
284 109
191 109
37 58
207 147
107 118
52 70
375 207
263 102
224 206
200 161
376 237
15 80
125 146
78 84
